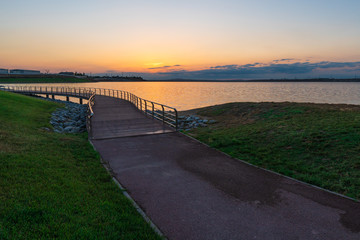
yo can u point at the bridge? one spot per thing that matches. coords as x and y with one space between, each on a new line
191 191
114 108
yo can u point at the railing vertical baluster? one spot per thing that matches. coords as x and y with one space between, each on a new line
163 113
152 109
176 119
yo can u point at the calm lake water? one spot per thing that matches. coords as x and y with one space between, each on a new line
185 95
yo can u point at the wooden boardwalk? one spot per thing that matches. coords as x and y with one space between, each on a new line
119 118
191 191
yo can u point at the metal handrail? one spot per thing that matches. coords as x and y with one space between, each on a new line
146 106
90 105
168 115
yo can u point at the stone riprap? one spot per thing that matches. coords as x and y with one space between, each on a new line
71 119
189 122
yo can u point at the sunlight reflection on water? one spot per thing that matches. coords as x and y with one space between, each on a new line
185 95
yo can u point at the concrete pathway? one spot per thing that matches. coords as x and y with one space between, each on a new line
191 191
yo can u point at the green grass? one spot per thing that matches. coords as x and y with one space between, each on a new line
42 79
315 143
53 185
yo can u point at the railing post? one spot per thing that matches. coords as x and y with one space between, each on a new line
163 113
145 108
176 120
152 109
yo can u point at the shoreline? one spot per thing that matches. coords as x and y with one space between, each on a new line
65 80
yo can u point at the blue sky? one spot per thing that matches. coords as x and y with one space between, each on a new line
161 39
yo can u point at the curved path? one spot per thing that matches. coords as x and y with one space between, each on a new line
191 191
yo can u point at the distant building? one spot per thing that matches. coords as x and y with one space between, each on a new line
24 72
4 71
67 73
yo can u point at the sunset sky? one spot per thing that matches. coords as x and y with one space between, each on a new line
202 39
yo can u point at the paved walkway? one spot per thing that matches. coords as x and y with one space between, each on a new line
191 191
118 118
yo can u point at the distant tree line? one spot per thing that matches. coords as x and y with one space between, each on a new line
115 78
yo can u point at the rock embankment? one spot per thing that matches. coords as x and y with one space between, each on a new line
71 119
189 122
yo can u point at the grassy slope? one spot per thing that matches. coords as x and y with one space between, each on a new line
53 185
53 79
318 144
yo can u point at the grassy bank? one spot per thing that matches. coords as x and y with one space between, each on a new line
315 143
42 79
53 185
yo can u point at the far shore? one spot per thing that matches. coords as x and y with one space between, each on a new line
49 78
